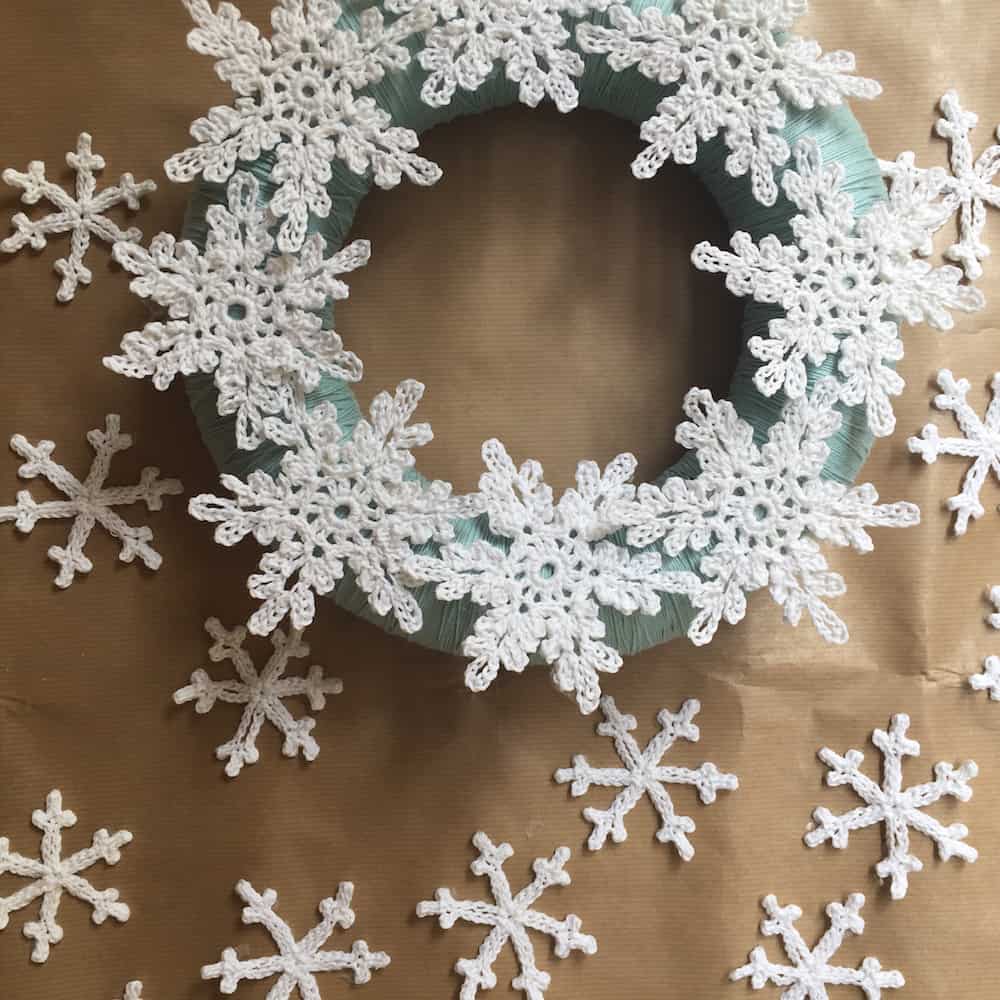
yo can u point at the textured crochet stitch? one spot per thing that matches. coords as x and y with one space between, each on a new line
989 679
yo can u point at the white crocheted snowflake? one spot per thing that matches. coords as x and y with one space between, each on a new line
262 694
736 67
811 972
239 311
133 990
896 807
300 94
981 442
83 216
843 285
643 775
757 512
509 918
89 502
297 962
52 874
544 590
989 679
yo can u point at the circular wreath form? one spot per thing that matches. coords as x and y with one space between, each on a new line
507 575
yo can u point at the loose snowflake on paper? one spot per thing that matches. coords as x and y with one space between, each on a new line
810 972
545 591
758 512
237 310
981 442
989 679
297 962
736 66
896 807
89 502
337 502
844 285
509 918
52 874
83 216
262 694
643 775
298 94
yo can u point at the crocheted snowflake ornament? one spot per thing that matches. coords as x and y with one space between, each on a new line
643 775
896 807
52 874
989 679
544 592
297 962
133 990
83 216
736 67
238 310
509 918
89 502
811 972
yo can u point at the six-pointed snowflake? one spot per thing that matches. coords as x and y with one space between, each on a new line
643 775
52 874
237 310
509 918
261 693
736 66
83 216
896 807
989 679
297 962
810 972
89 502
544 591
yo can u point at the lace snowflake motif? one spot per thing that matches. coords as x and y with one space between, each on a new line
811 972
239 311
989 679
509 918
297 962
52 874
544 591
643 775
89 502
83 216
896 807
735 66
843 285
133 990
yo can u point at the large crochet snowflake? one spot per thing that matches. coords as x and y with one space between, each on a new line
758 511
52 874
896 807
544 590
297 962
83 216
844 285
262 694
644 775
989 679
89 502
239 311
509 918
736 66
811 972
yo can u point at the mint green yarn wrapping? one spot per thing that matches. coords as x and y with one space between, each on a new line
626 95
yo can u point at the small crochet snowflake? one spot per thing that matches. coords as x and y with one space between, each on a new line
736 67
89 502
544 591
892 805
810 974
981 442
509 918
133 990
758 511
989 679
84 216
239 311
297 962
300 93
52 874
262 694
842 285
643 775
